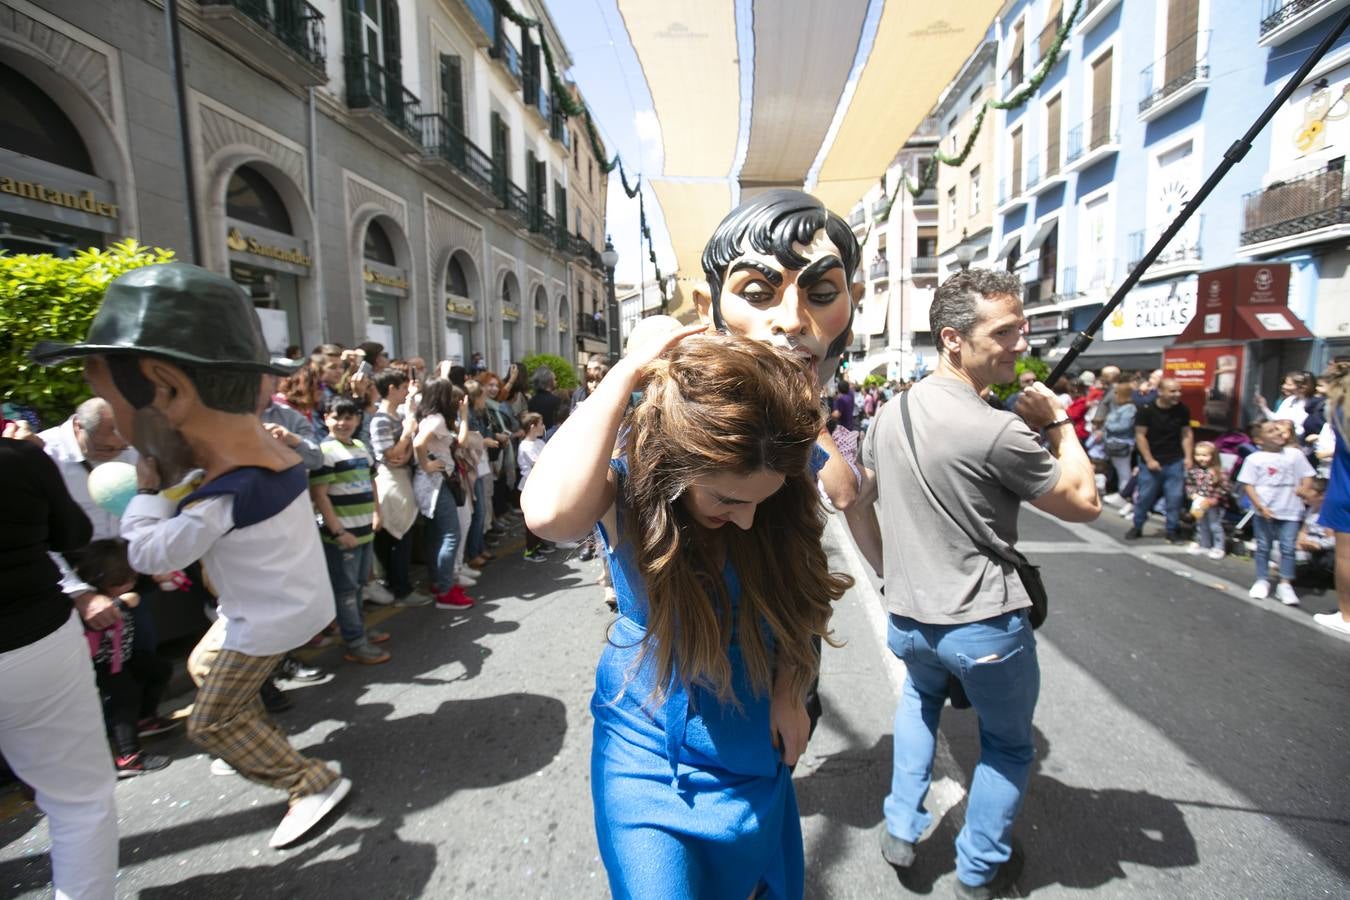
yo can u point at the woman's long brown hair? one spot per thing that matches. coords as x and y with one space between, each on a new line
717 405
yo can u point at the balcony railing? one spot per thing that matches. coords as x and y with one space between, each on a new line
515 201
1098 132
372 86
1009 188
1300 205
588 324
1275 13
857 217
505 52
927 197
1181 66
296 24
879 269
923 265
557 126
1033 171
1184 248
442 140
485 16
544 103
1097 277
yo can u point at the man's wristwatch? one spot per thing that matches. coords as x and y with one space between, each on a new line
1058 422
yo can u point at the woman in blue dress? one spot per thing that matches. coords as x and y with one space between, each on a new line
1335 512
709 513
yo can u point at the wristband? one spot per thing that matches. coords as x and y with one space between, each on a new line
151 491
1058 422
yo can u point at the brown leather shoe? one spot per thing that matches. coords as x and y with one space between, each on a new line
478 562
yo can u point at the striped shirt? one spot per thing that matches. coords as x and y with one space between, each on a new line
346 471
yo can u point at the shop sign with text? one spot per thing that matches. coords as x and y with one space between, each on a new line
1158 310
1210 378
245 241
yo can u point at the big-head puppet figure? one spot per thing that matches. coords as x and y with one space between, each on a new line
178 353
780 269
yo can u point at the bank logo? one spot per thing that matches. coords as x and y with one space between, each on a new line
236 241
1264 279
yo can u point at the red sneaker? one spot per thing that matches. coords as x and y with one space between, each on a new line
455 598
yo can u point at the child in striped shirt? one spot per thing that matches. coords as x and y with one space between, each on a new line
343 492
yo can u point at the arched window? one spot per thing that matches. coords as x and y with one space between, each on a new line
378 247
36 126
455 281
507 295
250 198
540 302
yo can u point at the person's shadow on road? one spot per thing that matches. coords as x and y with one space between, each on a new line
1073 836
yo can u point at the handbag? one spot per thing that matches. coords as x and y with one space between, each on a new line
455 482
1029 572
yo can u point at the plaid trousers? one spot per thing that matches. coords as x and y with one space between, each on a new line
228 719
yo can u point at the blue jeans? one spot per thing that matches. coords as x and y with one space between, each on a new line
474 540
1267 532
1003 692
349 570
442 541
1170 482
1209 530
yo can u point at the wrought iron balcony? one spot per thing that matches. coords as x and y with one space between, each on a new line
1278 13
371 86
857 217
506 53
589 325
927 197
1183 249
443 141
1086 138
879 269
1184 66
557 125
514 200
1014 75
1287 208
923 265
286 35
1010 189
485 16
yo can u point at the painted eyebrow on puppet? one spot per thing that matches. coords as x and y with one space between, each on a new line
773 276
817 270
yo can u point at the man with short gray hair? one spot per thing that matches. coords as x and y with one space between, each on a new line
544 401
950 474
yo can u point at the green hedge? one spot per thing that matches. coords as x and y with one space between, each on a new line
50 298
1034 363
564 370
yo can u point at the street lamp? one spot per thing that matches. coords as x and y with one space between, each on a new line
610 258
964 252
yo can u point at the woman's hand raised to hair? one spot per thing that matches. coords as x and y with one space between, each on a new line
641 354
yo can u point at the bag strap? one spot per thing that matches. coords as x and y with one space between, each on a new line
1017 559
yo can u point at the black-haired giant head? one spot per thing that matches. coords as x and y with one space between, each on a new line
780 269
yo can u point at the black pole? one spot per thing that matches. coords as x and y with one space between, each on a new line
1231 157
184 133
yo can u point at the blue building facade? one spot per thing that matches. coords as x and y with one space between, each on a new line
1136 111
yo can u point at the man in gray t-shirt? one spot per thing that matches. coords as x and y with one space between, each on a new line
949 474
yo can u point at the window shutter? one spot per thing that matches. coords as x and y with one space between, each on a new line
1101 101
1052 131
1183 20
1016 164
1015 58
393 48
452 91
351 30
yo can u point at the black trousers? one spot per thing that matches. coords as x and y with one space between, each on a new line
131 695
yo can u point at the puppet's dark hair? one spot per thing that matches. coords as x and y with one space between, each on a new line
772 222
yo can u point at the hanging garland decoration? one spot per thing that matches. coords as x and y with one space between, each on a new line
571 108
929 177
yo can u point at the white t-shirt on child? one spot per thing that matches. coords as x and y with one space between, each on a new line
1275 477
528 455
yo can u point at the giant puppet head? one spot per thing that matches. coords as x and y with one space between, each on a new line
176 350
780 269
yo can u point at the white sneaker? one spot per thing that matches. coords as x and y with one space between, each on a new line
463 579
378 594
221 767
1113 499
1285 592
1127 511
1334 621
307 812
1216 553
1260 590
1194 549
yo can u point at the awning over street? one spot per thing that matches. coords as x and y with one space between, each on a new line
1042 232
1009 241
1133 353
1275 323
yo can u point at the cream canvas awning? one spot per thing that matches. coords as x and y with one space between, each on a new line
807 78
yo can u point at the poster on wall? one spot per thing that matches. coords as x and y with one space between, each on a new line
506 352
1158 310
276 330
454 347
1211 382
383 335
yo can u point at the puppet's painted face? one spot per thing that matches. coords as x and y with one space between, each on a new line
802 310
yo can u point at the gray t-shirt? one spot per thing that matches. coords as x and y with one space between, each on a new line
981 463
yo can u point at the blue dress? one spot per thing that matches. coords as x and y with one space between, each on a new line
1335 512
692 800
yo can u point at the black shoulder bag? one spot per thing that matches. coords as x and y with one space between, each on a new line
1026 570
